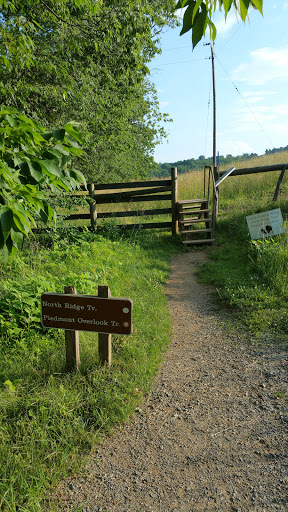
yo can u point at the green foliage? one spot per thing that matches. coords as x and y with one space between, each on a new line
32 162
198 14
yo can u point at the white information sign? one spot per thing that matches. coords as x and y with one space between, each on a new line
265 224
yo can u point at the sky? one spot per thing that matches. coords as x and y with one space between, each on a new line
251 69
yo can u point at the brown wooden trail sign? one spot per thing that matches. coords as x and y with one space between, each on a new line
86 313
103 314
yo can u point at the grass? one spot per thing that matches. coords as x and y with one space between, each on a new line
49 417
250 277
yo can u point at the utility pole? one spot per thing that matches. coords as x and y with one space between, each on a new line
214 104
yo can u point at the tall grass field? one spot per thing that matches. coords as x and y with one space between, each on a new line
51 420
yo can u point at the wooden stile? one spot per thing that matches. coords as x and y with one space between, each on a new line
174 201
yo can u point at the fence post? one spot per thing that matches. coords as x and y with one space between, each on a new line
105 340
93 206
217 196
277 190
174 192
72 341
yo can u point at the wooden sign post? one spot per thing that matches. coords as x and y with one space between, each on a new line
72 341
103 314
104 340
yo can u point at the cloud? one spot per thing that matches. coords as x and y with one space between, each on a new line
265 65
285 6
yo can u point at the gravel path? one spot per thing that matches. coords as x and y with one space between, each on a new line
212 434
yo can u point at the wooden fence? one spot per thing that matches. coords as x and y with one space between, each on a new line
133 192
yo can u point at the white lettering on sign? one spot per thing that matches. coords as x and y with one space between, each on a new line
73 306
57 319
92 321
91 308
51 304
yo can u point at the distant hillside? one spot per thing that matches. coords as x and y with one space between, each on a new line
194 164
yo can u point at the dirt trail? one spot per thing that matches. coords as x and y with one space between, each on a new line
211 436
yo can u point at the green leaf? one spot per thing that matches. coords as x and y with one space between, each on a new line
187 18
47 135
52 166
12 121
196 9
259 5
6 221
59 134
199 27
244 6
17 239
9 386
74 132
36 171
227 6
213 30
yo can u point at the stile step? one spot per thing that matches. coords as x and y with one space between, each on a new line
192 201
187 212
189 222
199 242
194 231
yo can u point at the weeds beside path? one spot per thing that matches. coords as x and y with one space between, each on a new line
212 434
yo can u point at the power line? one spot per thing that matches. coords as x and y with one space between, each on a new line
245 102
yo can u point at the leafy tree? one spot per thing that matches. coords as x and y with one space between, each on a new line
198 14
88 61
32 162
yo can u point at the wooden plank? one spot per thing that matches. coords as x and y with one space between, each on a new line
105 340
78 216
117 198
193 221
133 184
134 213
194 231
132 193
146 225
188 212
255 170
199 242
130 213
192 201
72 341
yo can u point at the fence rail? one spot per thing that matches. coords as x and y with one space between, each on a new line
139 191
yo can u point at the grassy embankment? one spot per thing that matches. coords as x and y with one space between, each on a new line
250 278
48 417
